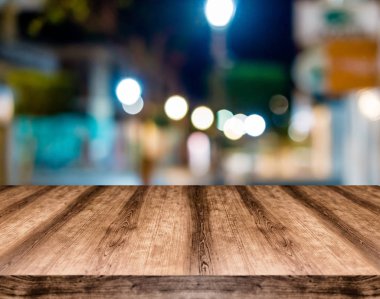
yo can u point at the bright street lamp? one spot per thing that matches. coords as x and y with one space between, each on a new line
219 13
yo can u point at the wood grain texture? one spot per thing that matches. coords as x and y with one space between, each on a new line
341 215
251 234
189 230
201 246
224 287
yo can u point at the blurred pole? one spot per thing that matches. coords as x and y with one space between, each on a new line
374 153
218 95
219 55
376 133
100 102
6 115
151 142
357 152
9 31
3 154
361 147
100 106
219 14
321 142
219 48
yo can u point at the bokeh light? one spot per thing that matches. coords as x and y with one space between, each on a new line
222 116
301 125
202 118
241 116
279 104
234 128
219 12
297 136
176 107
254 125
128 91
134 108
199 151
369 104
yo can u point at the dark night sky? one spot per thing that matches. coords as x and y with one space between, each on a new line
261 30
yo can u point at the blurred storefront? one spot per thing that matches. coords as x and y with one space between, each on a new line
338 68
96 110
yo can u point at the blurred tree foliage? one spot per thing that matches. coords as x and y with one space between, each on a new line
42 94
58 11
94 15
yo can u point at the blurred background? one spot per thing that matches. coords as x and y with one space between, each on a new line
123 92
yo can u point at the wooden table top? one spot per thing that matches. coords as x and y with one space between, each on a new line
190 230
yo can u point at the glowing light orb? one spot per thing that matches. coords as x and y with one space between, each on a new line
202 118
176 107
234 128
128 91
369 104
134 108
254 125
279 104
301 124
296 135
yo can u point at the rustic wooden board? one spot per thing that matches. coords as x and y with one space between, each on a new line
191 230
169 287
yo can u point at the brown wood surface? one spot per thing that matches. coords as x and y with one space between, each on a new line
331 233
171 287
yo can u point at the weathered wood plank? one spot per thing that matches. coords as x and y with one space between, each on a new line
16 205
11 195
368 198
349 220
224 287
201 246
315 240
13 254
19 224
75 243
